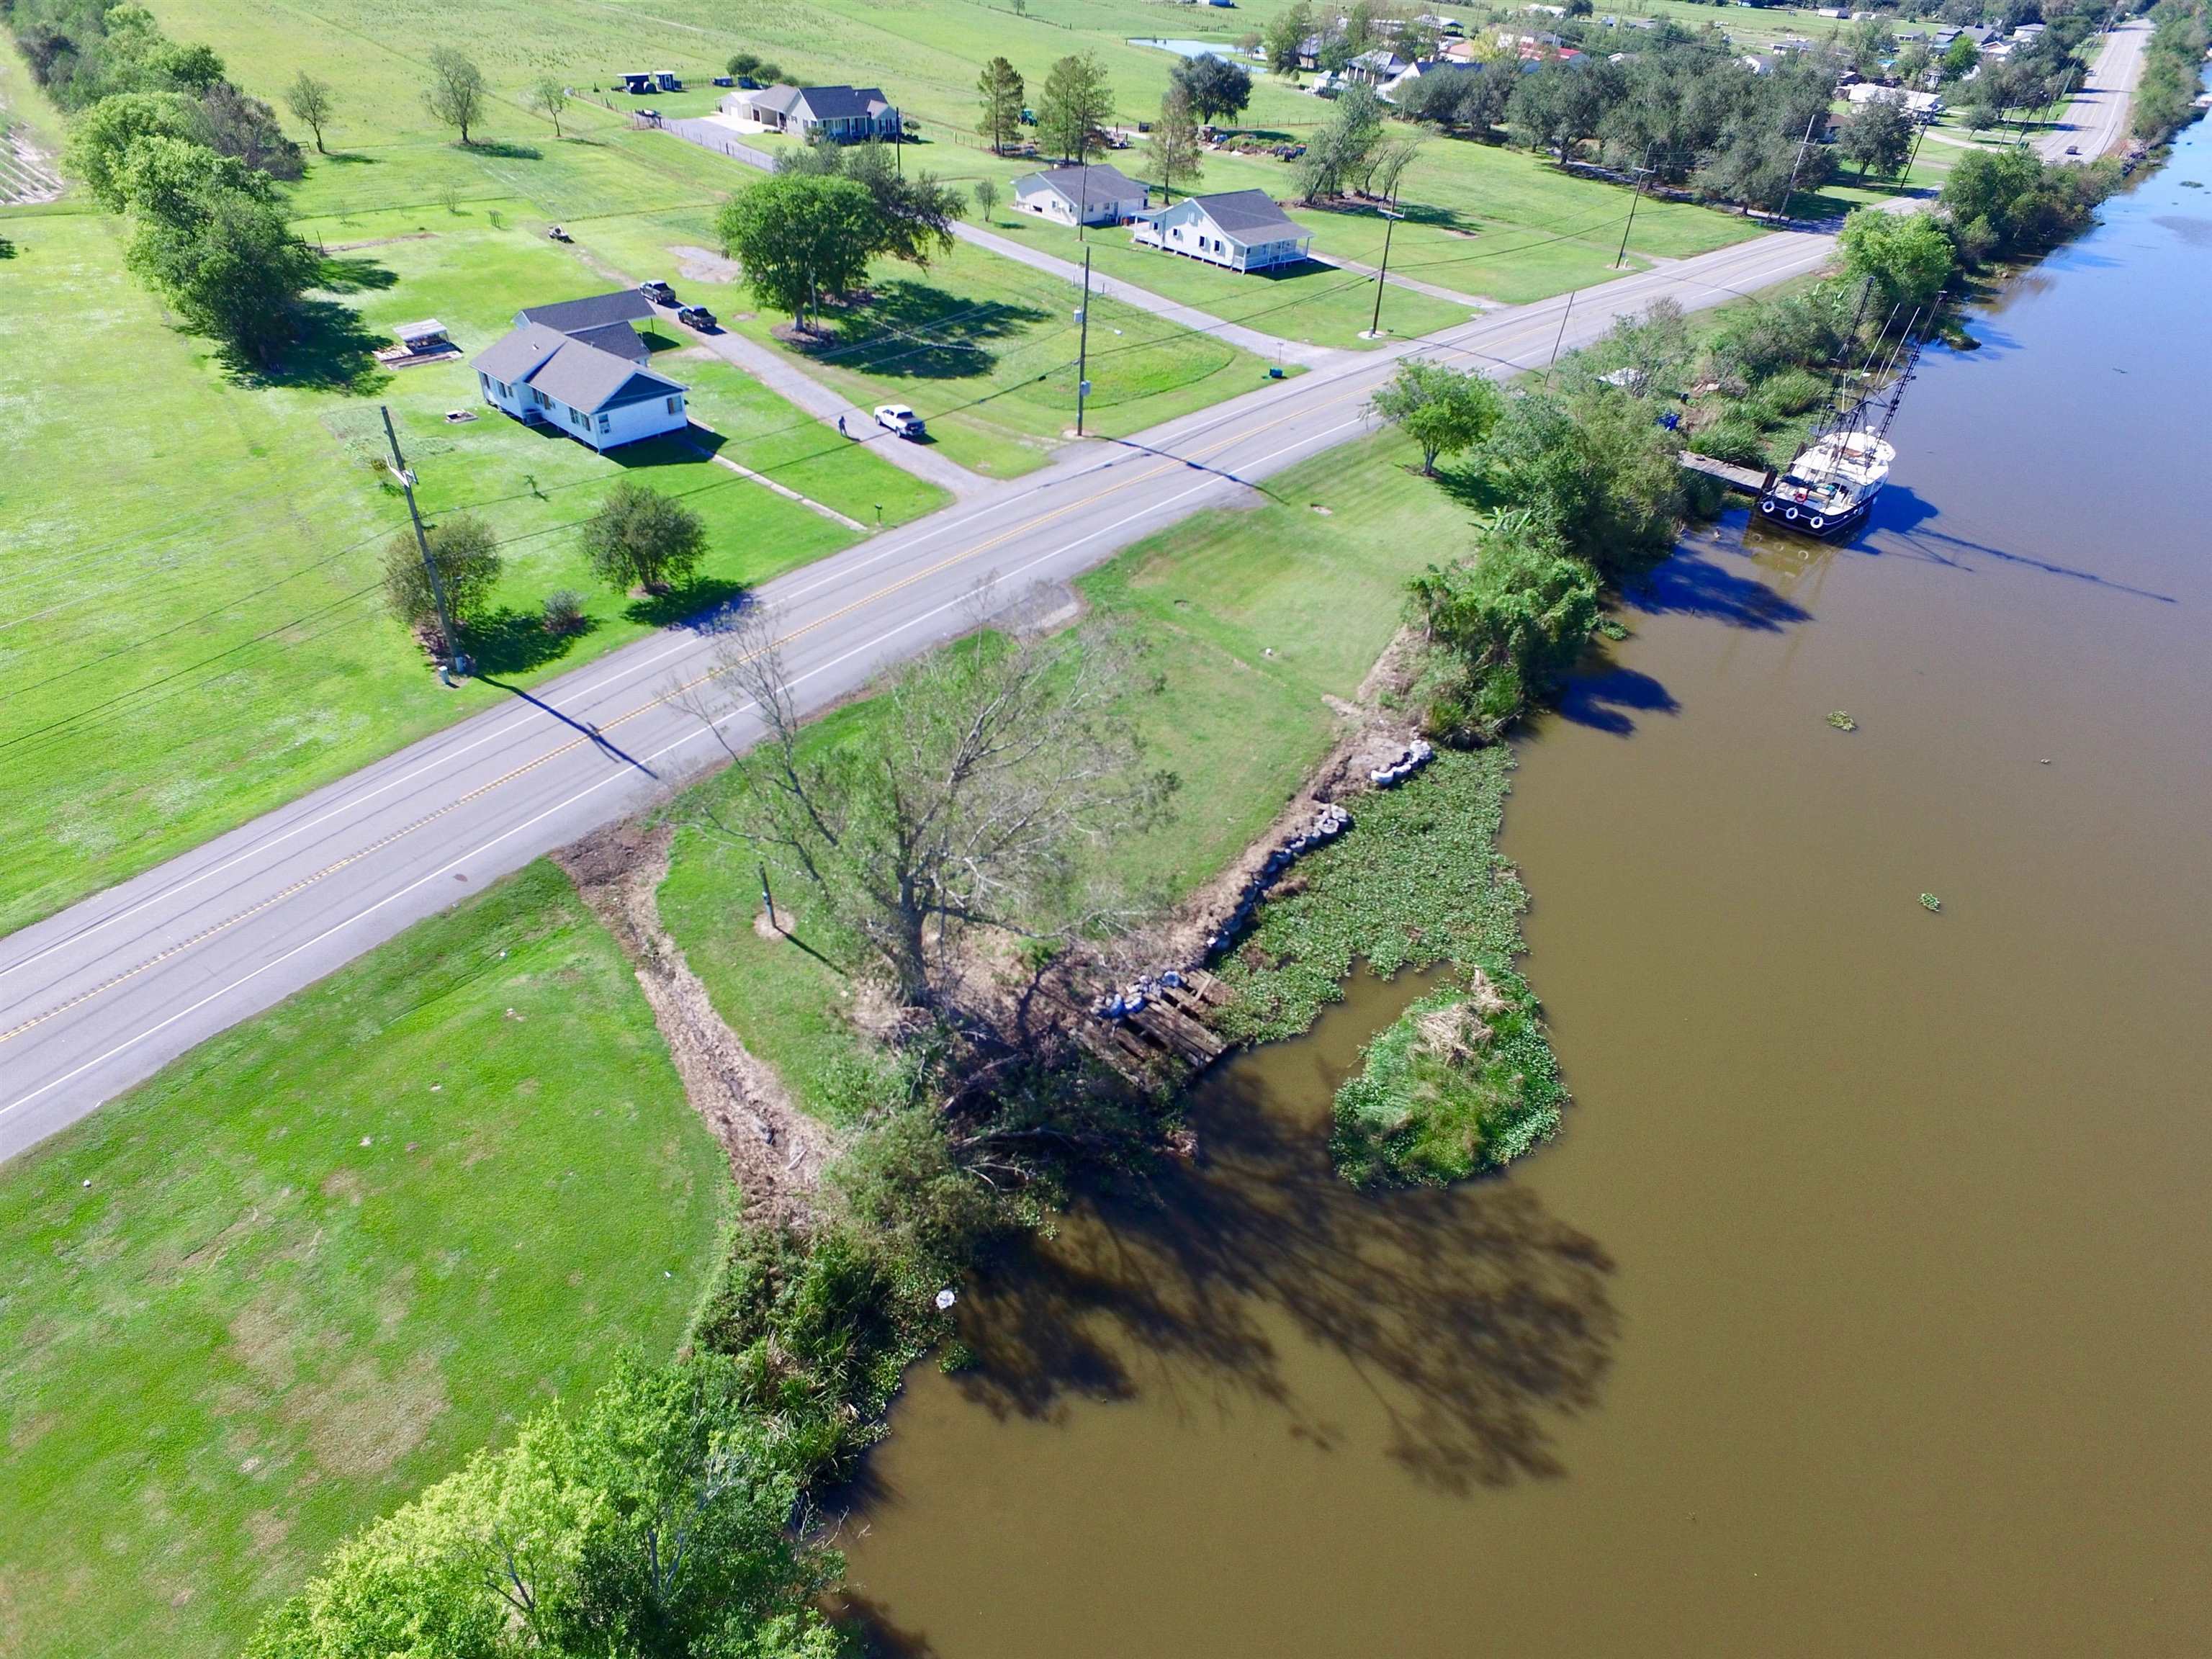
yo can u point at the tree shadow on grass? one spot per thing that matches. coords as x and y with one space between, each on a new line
351 273
514 642
1473 1316
351 158
332 352
916 330
1471 487
500 150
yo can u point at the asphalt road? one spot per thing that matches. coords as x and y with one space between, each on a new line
98 997
2096 120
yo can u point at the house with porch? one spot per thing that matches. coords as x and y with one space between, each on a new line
1237 229
1094 194
845 115
543 377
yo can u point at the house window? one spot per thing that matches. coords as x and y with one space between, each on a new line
603 423
676 405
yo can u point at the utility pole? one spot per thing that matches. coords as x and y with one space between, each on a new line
768 899
1802 144
1642 173
1083 346
1560 339
455 663
1375 324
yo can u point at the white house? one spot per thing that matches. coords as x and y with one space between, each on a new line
543 377
846 114
1241 229
1094 194
599 320
1920 106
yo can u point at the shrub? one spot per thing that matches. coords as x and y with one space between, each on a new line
1463 1081
564 613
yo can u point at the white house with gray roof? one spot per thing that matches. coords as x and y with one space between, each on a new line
601 319
1241 229
846 114
1093 195
543 377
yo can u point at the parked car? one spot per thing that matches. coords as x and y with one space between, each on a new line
897 417
660 293
559 234
2073 149
696 317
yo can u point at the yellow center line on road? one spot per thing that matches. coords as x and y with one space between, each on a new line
660 700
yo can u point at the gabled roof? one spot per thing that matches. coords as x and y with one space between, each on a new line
513 357
1248 215
1096 182
574 316
571 371
618 339
584 377
824 103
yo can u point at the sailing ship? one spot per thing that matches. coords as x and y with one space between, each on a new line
1828 489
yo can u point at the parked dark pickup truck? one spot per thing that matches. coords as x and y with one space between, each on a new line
660 293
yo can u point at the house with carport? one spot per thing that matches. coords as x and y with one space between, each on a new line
543 377
1093 195
1237 229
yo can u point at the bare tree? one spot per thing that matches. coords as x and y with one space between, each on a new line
457 93
549 98
964 806
313 102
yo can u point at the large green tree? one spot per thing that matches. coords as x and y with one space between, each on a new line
1596 467
1286 33
641 539
1215 86
312 101
466 554
1446 411
800 237
1877 137
1511 620
100 138
1907 257
209 233
1076 104
999 101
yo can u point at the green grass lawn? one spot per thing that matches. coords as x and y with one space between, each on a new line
266 1296
1205 603
192 631
984 348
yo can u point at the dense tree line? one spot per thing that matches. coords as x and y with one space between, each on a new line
157 131
2173 67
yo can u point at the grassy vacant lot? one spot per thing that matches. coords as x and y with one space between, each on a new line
1206 602
192 631
306 1269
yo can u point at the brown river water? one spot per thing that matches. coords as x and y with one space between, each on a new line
1862 1304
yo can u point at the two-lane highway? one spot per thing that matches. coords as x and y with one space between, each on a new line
97 998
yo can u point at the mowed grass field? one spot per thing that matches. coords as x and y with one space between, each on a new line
273 1291
191 628
1205 605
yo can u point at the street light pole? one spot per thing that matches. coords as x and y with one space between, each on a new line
1375 324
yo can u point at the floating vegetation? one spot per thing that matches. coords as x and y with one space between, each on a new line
1930 901
1608 628
1841 720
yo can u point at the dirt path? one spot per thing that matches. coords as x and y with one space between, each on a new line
776 1151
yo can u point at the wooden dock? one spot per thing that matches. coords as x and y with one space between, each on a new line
1744 480
1168 1040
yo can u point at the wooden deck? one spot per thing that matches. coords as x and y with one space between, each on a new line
1748 481
1170 1040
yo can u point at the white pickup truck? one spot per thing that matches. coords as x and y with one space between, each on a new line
897 417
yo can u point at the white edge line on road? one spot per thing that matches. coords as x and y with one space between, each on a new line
870 644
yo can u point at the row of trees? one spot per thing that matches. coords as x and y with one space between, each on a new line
159 132
1077 103
807 233
2181 30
